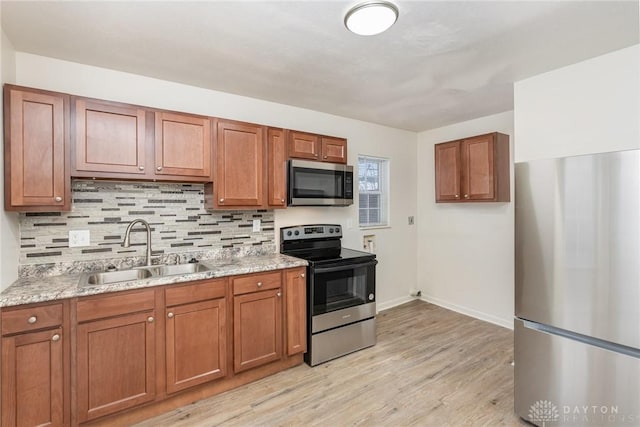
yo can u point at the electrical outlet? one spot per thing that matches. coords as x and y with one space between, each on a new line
256 225
79 238
411 220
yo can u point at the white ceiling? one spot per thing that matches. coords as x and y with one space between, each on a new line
441 63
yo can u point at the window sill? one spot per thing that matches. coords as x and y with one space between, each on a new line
374 227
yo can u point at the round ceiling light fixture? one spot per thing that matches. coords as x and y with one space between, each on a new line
371 17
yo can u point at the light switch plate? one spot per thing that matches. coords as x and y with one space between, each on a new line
256 225
411 220
79 238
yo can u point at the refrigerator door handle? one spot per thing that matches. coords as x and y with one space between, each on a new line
606 345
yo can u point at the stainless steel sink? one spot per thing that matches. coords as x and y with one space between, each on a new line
171 270
107 277
117 276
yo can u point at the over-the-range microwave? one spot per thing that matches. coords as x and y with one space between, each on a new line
319 184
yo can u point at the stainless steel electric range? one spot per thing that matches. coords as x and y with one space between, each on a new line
341 291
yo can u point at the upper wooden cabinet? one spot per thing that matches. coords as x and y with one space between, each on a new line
240 155
276 168
110 139
183 145
36 125
474 169
304 145
119 141
334 150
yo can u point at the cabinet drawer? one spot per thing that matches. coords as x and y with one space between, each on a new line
200 291
31 318
257 282
107 306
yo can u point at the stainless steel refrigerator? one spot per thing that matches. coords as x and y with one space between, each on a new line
577 307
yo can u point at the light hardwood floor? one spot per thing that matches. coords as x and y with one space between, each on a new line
430 367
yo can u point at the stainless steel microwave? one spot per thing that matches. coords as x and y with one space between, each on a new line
319 184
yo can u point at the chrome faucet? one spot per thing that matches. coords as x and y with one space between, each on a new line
126 242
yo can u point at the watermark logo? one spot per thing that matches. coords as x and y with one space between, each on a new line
543 411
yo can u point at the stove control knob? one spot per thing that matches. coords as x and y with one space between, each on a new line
371 297
296 232
289 233
331 230
337 229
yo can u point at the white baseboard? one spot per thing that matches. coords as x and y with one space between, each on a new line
505 323
393 303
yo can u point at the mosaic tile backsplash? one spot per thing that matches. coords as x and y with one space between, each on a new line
180 228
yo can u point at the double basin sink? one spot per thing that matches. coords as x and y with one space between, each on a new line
107 277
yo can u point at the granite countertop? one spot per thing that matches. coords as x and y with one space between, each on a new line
42 289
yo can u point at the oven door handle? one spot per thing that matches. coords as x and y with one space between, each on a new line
341 267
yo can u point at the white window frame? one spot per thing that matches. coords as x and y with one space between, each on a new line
383 191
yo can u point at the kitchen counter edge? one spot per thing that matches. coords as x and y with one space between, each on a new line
44 289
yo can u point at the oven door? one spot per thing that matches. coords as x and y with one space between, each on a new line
320 184
337 286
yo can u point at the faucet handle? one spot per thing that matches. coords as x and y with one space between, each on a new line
193 260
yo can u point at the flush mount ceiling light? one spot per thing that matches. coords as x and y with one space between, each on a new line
371 17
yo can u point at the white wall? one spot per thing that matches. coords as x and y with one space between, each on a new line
8 220
396 245
465 250
589 107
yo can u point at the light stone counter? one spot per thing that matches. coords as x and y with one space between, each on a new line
42 289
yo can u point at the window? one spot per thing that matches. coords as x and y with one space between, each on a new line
373 187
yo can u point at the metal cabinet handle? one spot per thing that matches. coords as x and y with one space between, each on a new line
466 196
221 200
159 168
302 275
32 320
316 155
56 337
325 157
457 196
150 319
170 315
259 284
279 294
281 200
58 199
141 168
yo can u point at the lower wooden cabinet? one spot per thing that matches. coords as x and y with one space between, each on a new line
115 352
32 379
196 335
296 310
120 357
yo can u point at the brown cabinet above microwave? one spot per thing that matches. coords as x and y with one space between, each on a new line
309 146
474 169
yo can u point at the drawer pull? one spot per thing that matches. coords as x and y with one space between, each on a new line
170 315
221 200
58 199
32 320
150 319
302 275
56 337
279 294
259 284
141 168
159 168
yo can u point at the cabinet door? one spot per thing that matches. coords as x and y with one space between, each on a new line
109 139
36 135
195 344
32 379
239 157
277 158
183 145
334 150
478 168
447 169
115 364
296 304
304 145
257 329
